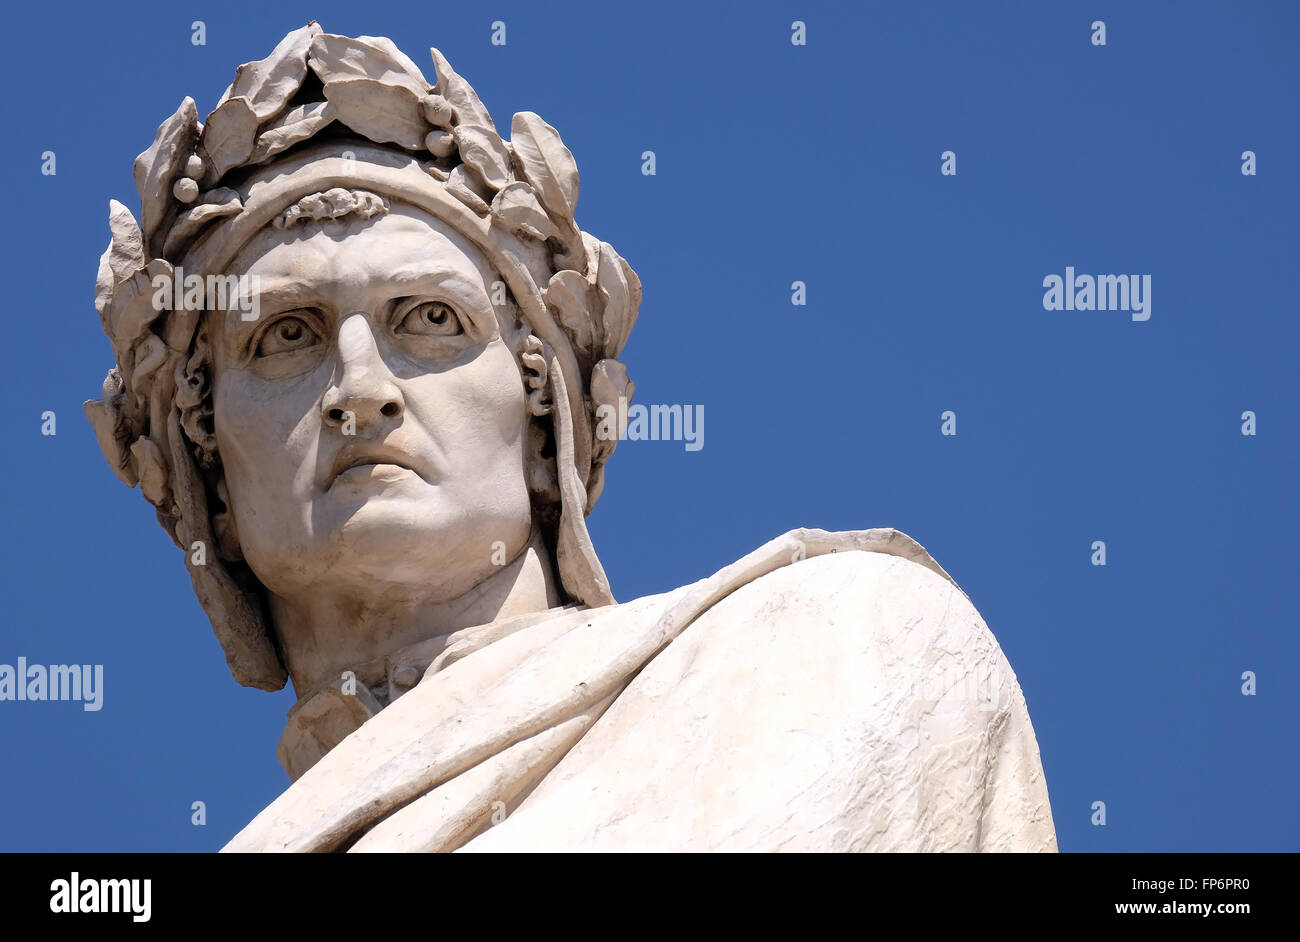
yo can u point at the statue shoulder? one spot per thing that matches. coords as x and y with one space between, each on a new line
876 603
878 586
842 583
893 682
849 698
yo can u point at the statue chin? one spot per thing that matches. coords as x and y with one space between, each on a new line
378 551
408 538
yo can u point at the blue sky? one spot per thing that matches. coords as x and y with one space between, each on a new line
775 163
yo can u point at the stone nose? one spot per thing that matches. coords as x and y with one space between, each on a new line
365 389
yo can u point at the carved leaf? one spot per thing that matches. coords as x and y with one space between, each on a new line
133 310
297 124
461 186
127 256
548 164
370 57
380 110
228 137
459 93
591 254
159 166
104 284
574 255
269 83
566 294
122 259
609 382
103 418
616 291
517 206
217 204
150 354
483 150
147 462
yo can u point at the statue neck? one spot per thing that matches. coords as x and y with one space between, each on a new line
323 634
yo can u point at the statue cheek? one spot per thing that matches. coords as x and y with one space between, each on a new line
265 430
482 402
501 393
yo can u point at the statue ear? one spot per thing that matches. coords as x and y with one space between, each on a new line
194 401
539 464
533 360
540 447
223 527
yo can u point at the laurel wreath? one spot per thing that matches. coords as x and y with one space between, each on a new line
312 79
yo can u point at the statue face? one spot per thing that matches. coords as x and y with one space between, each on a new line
372 421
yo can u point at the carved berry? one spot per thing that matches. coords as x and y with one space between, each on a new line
437 111
440 143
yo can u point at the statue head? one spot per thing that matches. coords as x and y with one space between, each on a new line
360 341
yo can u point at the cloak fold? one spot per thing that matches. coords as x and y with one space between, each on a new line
592 729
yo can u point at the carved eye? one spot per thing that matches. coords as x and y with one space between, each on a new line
287 335
431 318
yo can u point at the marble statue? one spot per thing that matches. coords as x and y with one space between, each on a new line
361 344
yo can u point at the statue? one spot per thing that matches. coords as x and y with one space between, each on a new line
366 364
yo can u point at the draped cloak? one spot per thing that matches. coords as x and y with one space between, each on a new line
827 692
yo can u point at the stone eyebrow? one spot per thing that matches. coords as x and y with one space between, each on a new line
297 291
452 279
293 290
